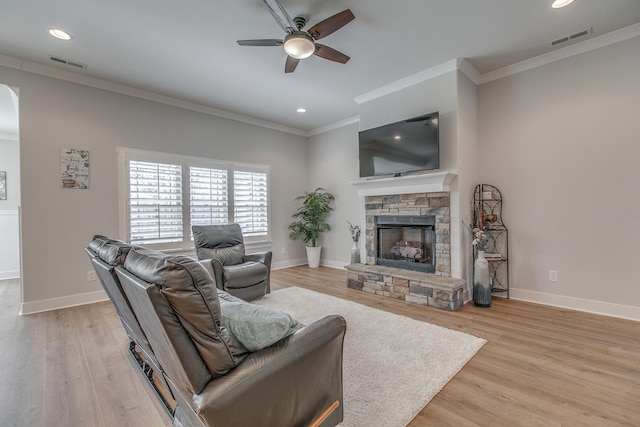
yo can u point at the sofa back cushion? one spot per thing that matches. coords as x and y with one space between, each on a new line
111 251
224 242
192 296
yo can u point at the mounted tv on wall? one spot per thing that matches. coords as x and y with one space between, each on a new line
399 148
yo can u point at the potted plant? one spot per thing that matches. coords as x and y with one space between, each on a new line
310 221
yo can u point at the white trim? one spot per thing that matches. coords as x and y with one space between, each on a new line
11 274
56 73
340 265
335 125
62 302
416 183
560 54
409 81
590 306
288 263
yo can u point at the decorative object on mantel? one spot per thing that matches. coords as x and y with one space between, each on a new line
355 236
74 168
310 221
487 216
3 185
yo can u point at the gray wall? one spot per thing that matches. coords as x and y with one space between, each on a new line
561 142
57 224
333 164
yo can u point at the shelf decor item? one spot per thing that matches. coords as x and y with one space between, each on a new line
355 236
481 281
487 217
3 185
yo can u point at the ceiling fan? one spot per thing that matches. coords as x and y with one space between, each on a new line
300 44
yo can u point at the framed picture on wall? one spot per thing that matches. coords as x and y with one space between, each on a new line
3 185
74 168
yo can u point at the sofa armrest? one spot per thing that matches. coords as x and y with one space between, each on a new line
263 257
214 267
287 384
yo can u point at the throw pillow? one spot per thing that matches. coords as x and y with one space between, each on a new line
255 326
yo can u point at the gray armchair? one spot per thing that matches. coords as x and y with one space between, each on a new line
244 276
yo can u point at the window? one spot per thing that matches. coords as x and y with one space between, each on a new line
163 195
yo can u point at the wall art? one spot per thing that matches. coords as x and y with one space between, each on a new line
74 168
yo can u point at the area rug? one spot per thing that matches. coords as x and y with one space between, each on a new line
393 365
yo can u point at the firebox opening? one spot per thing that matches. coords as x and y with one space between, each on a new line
406 242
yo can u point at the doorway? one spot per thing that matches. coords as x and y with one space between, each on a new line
10 266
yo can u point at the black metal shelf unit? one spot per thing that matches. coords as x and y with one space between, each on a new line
487 215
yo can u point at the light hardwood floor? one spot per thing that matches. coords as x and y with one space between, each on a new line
541 366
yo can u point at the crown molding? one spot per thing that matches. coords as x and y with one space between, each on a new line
56 73
409 81
564 53
333 126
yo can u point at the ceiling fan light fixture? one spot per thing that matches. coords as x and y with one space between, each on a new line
299 45
557 4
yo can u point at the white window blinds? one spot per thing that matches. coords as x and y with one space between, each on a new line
163 195
155 202
209 197
250 201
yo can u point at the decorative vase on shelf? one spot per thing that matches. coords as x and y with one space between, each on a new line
355 253
481 281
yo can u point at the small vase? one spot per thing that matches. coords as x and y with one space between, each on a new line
355 253
481 282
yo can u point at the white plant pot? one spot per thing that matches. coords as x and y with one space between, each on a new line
313 256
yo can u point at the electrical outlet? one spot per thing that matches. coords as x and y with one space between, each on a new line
283 251
91 276
553 276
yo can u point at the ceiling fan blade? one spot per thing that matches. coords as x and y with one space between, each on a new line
291 64
331 24
331 54
281 16
260 42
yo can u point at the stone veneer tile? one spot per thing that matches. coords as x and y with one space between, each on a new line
436 204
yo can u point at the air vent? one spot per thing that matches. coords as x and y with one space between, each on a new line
571 36
67 62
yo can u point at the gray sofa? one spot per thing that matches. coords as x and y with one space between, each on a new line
206 348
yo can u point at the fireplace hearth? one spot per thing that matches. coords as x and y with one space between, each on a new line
406 242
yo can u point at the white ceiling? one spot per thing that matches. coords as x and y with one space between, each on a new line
187 49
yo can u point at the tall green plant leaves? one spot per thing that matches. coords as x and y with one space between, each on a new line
310 217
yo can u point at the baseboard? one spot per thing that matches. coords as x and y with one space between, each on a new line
303 261
288 263
334 264
62 302
590 306
9 274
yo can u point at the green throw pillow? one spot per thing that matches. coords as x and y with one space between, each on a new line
255 326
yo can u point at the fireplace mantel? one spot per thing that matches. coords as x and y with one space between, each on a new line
418 183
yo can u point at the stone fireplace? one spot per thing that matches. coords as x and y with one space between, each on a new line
424 217
407 241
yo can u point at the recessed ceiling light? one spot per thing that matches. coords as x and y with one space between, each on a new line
59 34
301 110
557 4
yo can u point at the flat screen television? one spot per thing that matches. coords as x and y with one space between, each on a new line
409 145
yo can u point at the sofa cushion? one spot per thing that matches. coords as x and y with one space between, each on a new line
192 294
111 251
245 274
256 326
